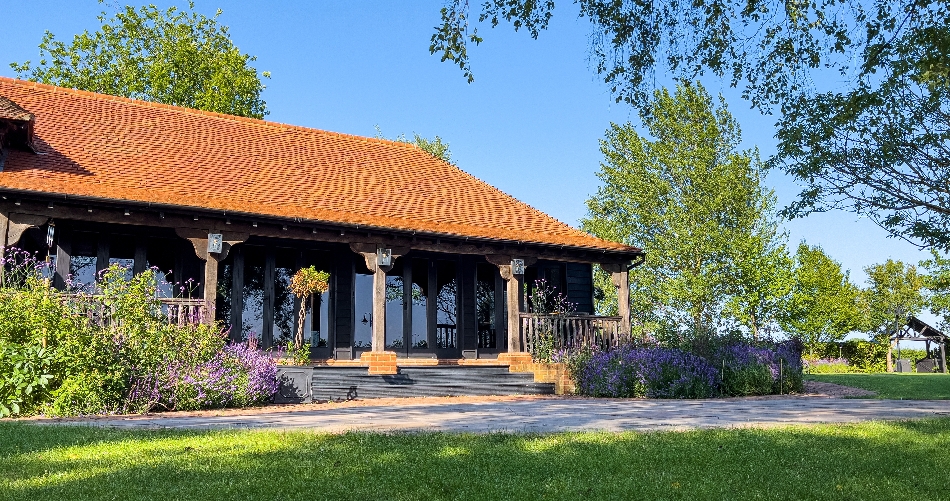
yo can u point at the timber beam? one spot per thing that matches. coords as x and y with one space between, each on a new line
205 220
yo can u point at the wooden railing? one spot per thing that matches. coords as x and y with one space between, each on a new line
445 336
184 310
570 331
179 311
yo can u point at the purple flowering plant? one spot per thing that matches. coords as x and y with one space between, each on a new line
113 350
647 371
236 376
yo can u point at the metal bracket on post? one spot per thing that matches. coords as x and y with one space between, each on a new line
215 242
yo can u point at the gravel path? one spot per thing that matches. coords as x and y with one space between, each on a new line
538 414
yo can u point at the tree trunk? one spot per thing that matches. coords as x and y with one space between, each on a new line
302 318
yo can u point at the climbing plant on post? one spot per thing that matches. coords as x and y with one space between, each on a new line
304 284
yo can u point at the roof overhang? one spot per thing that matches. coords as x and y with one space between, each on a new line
62 206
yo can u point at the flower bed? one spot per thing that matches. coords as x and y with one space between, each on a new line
733 369
107 348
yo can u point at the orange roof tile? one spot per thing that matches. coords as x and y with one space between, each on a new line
108 147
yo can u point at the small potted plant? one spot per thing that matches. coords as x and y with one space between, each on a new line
295 379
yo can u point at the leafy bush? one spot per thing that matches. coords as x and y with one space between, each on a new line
653 372
861 356
828 366
90 350
734 369
746 370
23 374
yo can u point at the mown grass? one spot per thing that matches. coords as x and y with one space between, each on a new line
863 461
894 385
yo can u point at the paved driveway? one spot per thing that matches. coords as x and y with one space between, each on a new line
544 414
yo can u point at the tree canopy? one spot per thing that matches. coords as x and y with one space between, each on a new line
822 306
174 57
435 146
698 208
938 287
895 291
874 141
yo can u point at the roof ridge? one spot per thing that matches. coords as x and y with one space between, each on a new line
192 111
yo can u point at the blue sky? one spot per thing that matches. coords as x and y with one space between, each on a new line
529 124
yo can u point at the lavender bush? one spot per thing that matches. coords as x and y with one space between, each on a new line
237 376
664 372
107 348
746 369
653 372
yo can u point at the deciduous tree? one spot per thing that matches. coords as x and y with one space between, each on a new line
168 56
938 287
695 204
823 304
895 291
875 141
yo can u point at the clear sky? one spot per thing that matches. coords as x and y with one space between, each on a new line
529 124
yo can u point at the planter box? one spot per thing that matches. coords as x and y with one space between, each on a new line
295 384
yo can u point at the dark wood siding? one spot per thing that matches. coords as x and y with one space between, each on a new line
467 315
341 300
580 286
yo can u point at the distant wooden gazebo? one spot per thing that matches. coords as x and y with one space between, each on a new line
917 330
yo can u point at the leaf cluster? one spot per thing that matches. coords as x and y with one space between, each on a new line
876 143
175 57
435 146
698 208
83 352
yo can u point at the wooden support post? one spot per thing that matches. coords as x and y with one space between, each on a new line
514 309
102 254
63 253
432 304
379 290
379 309
512 298
620 277
269 265
4 226
890 361
300 305
943 356
500 321
407 304
140 261
211 286
237 295
199 240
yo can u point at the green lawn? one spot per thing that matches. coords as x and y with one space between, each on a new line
894 385
865 461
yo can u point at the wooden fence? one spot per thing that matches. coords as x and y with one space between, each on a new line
563 331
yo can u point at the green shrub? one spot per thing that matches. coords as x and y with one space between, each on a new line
80 353
828 366
23 376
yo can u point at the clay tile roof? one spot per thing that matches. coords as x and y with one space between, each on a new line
10 111
95 145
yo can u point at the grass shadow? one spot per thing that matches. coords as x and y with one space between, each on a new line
869 460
